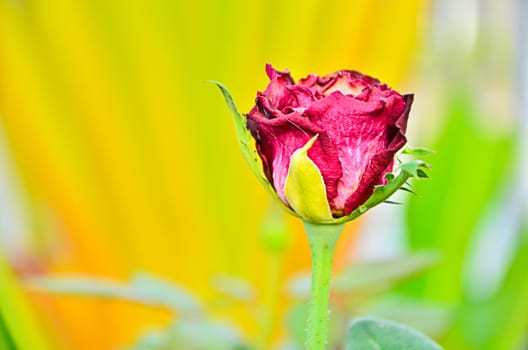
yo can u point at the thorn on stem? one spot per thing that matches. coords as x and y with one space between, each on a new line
392 202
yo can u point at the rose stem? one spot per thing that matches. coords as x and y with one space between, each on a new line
322 239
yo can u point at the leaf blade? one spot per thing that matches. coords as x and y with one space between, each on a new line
247 144
376 334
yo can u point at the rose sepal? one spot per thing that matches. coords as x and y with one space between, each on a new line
247 144
414 168
304 180
314 211
418 152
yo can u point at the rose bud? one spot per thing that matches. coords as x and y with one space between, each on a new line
325 146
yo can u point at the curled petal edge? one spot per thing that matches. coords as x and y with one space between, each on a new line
415 168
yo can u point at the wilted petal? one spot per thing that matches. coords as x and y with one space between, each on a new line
361 132
360 125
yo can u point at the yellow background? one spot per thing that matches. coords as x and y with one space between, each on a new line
127 159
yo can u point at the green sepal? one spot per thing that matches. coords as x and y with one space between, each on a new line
247 144
305 189
418 152
414 168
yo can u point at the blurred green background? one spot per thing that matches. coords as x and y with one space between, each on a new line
117 157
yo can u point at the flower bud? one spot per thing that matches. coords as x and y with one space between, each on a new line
324 146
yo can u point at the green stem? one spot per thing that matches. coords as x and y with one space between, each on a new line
323 239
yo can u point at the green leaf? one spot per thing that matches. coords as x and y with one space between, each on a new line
498 322
247 144
305 189
296 323
6 342
431 318
143 288
509 307
234 287
385 273
418 152
376 334
414 167
422 174
195 334
205 335
366 279
166 293
472 168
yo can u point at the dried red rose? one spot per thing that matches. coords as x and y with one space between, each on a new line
359 122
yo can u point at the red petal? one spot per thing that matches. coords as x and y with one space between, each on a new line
381 163
363 133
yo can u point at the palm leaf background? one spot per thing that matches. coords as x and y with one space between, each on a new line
127 159
118 157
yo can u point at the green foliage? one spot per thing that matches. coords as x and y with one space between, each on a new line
412 169
6 342
370 278
195 328
470 169
192 335
375 334
358 291
234 288
142 288
466 178
372 275
428 317
418 152
500 322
